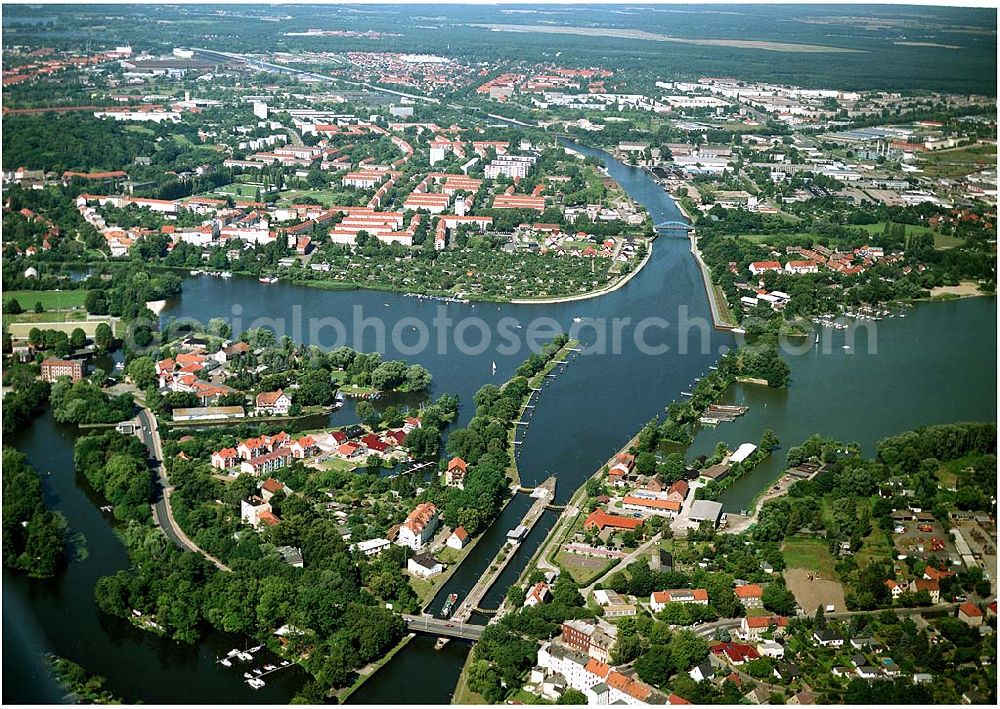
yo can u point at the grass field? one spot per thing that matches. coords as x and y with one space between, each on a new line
583 569
809 554
22 329
238 189
958 161
50 299
324 197
874 548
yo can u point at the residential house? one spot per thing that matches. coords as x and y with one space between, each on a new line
537 594
458 538
828 638
658 600
455 474
970 614
267 463
372 547
750 595
752 628
225 458
663 508
272 403
736 653
419 526
600 519
424 565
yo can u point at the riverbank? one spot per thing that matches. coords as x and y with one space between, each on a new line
534 383
370 669
722 318
965 289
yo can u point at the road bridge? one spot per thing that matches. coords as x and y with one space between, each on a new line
443 628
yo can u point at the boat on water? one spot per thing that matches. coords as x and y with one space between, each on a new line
233 653
494 367
268 279
255 649
449 604
245 656
195 272
284 663
816 341
256 670
247 675
270 668
225 662
256 682
226 274
577 319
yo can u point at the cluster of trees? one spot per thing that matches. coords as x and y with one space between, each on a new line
27 398
117 467
34 538
85 686
86 402
332 607
368 369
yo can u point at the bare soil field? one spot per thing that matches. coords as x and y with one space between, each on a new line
816 592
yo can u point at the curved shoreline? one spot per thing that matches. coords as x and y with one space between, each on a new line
589 294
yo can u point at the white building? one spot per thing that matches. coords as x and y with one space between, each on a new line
419 526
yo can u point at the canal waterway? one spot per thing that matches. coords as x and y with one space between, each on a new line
586 412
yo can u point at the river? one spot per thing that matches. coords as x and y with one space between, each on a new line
585 413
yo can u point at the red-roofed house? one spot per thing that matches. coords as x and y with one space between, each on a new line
458 538
750 595
664 508
753 627
225 458
736 653
419 526
538 594
455 474
970 614
658 600
759 267
273 403
601 519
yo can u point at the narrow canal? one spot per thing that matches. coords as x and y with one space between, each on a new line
941 367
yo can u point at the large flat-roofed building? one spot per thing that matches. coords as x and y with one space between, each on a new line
705 510
208 413
52 369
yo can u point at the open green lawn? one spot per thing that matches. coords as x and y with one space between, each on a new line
237 189
324 197
809 553
140 129
50 299
875 547
941 241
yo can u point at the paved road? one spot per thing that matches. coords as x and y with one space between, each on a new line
444 628
162 515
